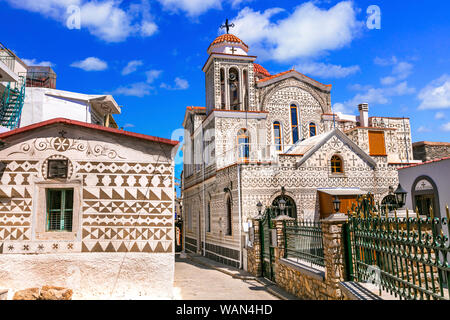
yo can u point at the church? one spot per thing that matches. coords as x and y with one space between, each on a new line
262 138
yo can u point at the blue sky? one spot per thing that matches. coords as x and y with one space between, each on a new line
149 54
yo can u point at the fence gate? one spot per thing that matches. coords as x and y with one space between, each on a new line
267 231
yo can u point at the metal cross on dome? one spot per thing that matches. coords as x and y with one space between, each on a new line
227 26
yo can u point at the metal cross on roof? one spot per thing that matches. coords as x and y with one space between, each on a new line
227 26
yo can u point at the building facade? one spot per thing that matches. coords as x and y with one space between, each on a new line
263 138
87 207
427 151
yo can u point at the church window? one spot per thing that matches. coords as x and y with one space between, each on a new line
59 209
233 81
57 169
222 88
246 97
312 129
277 135
336 165
229 219
294 123
243 144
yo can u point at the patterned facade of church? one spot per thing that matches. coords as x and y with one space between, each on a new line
77 197
260 132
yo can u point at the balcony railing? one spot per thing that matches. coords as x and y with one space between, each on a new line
7 57
250 153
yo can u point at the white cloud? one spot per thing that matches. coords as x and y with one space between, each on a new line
439 115
128 125
191 7
400 71
132 67
180 84
446 127
34 62
139 89
422 129
436 95
327 70
105 19
306 32
152 75
375 96
90 64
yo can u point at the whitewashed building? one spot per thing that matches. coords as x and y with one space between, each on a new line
262 138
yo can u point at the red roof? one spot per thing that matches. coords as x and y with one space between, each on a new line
86 125
260 69
285 72
227 38
426 162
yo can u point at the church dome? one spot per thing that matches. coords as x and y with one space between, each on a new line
226 40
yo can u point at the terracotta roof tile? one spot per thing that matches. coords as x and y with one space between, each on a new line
260 69
86 125
426 162
227 38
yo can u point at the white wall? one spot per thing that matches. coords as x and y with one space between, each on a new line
438 171
93 275
39 106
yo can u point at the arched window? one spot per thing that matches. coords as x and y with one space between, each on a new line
246 97
291 208
208 217
229 219
277 135
336 165
233 82
312 129
222 89
294 123
243 143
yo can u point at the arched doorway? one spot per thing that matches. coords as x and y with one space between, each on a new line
425 196
291 208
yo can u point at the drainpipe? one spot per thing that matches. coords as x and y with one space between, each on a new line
240 217
204 203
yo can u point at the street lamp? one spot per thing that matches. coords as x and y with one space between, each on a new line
259 206
336 204
400 196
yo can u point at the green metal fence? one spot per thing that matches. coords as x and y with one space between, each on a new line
410 254
304 242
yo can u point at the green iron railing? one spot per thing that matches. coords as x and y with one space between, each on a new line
410 254
304 242
11 104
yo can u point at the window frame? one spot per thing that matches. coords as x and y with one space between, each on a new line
62 210
278 146
332 167
243 133
312 125
294 127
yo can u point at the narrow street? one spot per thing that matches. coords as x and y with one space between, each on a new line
195 281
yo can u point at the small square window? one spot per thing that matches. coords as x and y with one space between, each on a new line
57 169
59 209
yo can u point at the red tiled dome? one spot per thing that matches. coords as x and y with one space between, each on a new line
231 38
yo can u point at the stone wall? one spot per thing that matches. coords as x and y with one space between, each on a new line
427 151
304 281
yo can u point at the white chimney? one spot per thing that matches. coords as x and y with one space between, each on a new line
363 114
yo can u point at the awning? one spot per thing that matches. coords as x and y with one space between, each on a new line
342 192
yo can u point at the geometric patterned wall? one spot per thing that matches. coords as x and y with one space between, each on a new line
126 192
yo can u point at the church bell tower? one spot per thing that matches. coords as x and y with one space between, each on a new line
229 75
